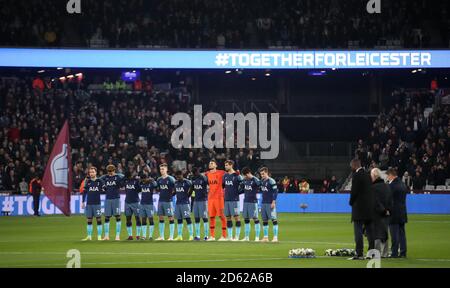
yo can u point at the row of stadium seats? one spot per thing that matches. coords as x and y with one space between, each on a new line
226 23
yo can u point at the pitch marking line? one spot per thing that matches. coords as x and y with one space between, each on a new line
155 262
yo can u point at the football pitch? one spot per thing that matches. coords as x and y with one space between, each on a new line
44 242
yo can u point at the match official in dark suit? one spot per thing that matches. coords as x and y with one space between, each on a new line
399 215
383 208
362 200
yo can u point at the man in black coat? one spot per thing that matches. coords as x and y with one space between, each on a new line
362 200
399 215
383 208
35 188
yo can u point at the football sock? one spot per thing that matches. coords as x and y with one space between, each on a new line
99 228
238 229
197 229
180 228
266 230
206 228
247 228
161 228
230 229
275 229
224 226
138 230
144 231
118 227
89 230
189 226
212 227
150 234
107 229
257 229
171 228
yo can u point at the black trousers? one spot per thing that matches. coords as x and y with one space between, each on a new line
36 199
359 228
398 236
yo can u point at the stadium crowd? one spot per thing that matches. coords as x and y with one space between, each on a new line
412 139
131 132
226 23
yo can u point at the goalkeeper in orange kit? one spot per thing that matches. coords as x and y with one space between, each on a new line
216 200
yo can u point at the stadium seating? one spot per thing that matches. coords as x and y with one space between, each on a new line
226 24
128 129
412 135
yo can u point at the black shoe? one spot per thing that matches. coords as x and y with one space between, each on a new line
356 258
394 256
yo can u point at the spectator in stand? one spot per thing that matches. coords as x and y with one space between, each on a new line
407 180
304 186
333 185
23 187
285 184
325 186
38 84
11 182
418 181
292 188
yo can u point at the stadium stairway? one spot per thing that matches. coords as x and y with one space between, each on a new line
297 159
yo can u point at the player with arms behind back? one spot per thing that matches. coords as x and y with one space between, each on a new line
250 186
148 186
165 186
232 181
93 187
200 187
216 200
112 201
132 190
182 208
269 191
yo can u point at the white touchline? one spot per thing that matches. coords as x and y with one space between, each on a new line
194 260
124 253
153 262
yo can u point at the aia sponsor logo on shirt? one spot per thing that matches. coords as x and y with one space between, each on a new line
179 189
110 183
229 183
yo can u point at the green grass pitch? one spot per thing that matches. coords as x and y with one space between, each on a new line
44 242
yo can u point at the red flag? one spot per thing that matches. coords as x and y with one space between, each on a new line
57 181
